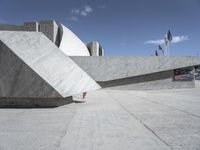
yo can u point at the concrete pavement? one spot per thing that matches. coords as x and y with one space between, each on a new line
108 120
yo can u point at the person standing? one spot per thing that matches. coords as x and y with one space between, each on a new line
84 94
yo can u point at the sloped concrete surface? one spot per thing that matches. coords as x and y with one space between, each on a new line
108 120
44 58
17 79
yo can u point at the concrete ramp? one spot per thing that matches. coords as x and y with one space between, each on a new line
32 66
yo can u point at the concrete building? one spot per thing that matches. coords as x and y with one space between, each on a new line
60 35
45 60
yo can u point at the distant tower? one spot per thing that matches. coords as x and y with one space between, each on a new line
95 49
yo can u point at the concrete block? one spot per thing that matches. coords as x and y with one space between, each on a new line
16 102
49 28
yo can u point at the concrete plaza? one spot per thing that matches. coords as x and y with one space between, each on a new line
108 120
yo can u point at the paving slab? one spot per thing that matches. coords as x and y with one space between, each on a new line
108 120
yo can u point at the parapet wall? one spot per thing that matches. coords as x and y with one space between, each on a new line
137 73
112 68
6 27
154 81
47 27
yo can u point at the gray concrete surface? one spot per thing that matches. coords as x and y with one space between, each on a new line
8 102
32 66
47 27
7 27
95 49
154 81
108 120
197 83
111 68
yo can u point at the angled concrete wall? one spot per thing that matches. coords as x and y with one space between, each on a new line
110 68
17 78
136 73
38 60
154 81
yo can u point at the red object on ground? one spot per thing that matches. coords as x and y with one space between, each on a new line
84 94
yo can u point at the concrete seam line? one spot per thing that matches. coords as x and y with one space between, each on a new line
65 132
149 99
146 126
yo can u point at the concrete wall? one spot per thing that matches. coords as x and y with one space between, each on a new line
8 102
18 79
6 27
44 61
136 73
49 28
112 68
31 26
155 81
197 83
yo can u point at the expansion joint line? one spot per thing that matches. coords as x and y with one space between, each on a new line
186 112
146 126
65 133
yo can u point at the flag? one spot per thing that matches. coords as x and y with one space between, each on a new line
160 48
169 36
156 53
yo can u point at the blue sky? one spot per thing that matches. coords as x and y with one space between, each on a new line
123 27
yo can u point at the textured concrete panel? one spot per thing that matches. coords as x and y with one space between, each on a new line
51 64
111 68
34 102
95 49
17 79
49 28
155 85
197 83
71 45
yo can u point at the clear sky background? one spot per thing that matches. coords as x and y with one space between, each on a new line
123 27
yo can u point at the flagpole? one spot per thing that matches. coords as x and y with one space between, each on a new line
166 50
